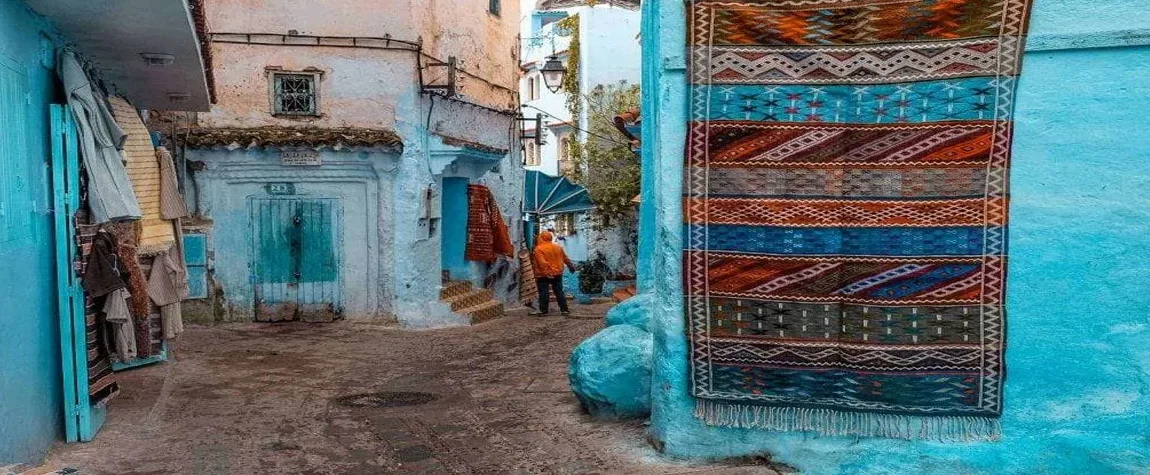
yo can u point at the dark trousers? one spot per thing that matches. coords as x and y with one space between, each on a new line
556 285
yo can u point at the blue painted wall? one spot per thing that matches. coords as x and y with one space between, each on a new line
454 242
30 379
1078 357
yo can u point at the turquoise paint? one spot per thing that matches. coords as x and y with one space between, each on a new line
30 382
454 241
81 419
537 19
196 259
610 373
1078 357
360 180
296 252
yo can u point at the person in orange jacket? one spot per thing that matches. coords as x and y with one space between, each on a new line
549 260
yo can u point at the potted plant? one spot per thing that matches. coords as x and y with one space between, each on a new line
592 275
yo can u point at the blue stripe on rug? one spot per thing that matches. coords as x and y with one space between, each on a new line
926 101
940 241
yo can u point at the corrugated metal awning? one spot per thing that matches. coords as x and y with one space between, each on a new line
544 195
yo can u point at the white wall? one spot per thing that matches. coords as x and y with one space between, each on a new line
609 53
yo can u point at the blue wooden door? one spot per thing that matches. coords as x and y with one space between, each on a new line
81 419
295 259
453 239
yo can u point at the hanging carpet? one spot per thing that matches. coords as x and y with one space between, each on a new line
845 211
487 233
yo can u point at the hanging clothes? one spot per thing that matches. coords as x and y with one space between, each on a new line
103 273
164 285
110 194
138 302
487 234
116 313
172 205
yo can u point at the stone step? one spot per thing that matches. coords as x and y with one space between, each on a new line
454 288
622 294
487 311
468 300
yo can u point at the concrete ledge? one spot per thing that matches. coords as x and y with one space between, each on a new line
1106 39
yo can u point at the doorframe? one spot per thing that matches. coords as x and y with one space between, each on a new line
81 419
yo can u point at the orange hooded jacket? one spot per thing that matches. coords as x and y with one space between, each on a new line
549 257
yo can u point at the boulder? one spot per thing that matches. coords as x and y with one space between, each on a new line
635 311
610 372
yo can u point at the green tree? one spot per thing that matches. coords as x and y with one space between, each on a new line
603 160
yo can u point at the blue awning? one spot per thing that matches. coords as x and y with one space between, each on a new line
544 194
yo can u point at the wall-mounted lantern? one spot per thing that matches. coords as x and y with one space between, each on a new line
553 73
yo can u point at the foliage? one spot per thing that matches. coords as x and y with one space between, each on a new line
592 274
603 162
571 79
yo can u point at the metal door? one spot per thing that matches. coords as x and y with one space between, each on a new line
295 259
81 419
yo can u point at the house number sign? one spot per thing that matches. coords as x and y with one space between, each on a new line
300 158
281 188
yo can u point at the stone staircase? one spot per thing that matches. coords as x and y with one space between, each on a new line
479 305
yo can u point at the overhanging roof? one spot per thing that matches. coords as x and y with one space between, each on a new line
555 4
544 194
310 137
113 33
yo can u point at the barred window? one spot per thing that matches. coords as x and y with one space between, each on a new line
493 7
294 94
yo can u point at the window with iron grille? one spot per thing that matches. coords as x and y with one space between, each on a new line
493 6
294 94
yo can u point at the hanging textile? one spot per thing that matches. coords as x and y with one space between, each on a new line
102 384
487 233
139 306
110 194
103 272
845 211
166 282
117 314
172 205
528 288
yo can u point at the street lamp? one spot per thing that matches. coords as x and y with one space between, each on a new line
553 73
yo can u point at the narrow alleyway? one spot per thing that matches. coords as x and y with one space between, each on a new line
321 399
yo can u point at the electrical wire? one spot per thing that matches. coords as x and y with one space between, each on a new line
576 127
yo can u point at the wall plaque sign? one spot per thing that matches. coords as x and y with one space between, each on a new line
300 158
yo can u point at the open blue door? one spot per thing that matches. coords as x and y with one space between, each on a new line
81 419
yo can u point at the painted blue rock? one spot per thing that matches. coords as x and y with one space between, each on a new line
610 373
635 311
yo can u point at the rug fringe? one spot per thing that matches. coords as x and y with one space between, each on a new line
833 422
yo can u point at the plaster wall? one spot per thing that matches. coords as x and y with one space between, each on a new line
30 381
380 89
359 180
1077 398
357 88
610 46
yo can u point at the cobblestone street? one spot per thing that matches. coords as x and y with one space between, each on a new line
361 398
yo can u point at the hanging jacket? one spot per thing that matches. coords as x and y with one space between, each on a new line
103 273
110 193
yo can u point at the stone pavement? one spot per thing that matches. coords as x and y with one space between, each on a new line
363 398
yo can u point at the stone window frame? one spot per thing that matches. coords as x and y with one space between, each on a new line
315 75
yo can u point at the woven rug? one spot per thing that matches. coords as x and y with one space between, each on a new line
845 207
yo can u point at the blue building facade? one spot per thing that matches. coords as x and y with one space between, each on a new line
1078 352
33 387
30 384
